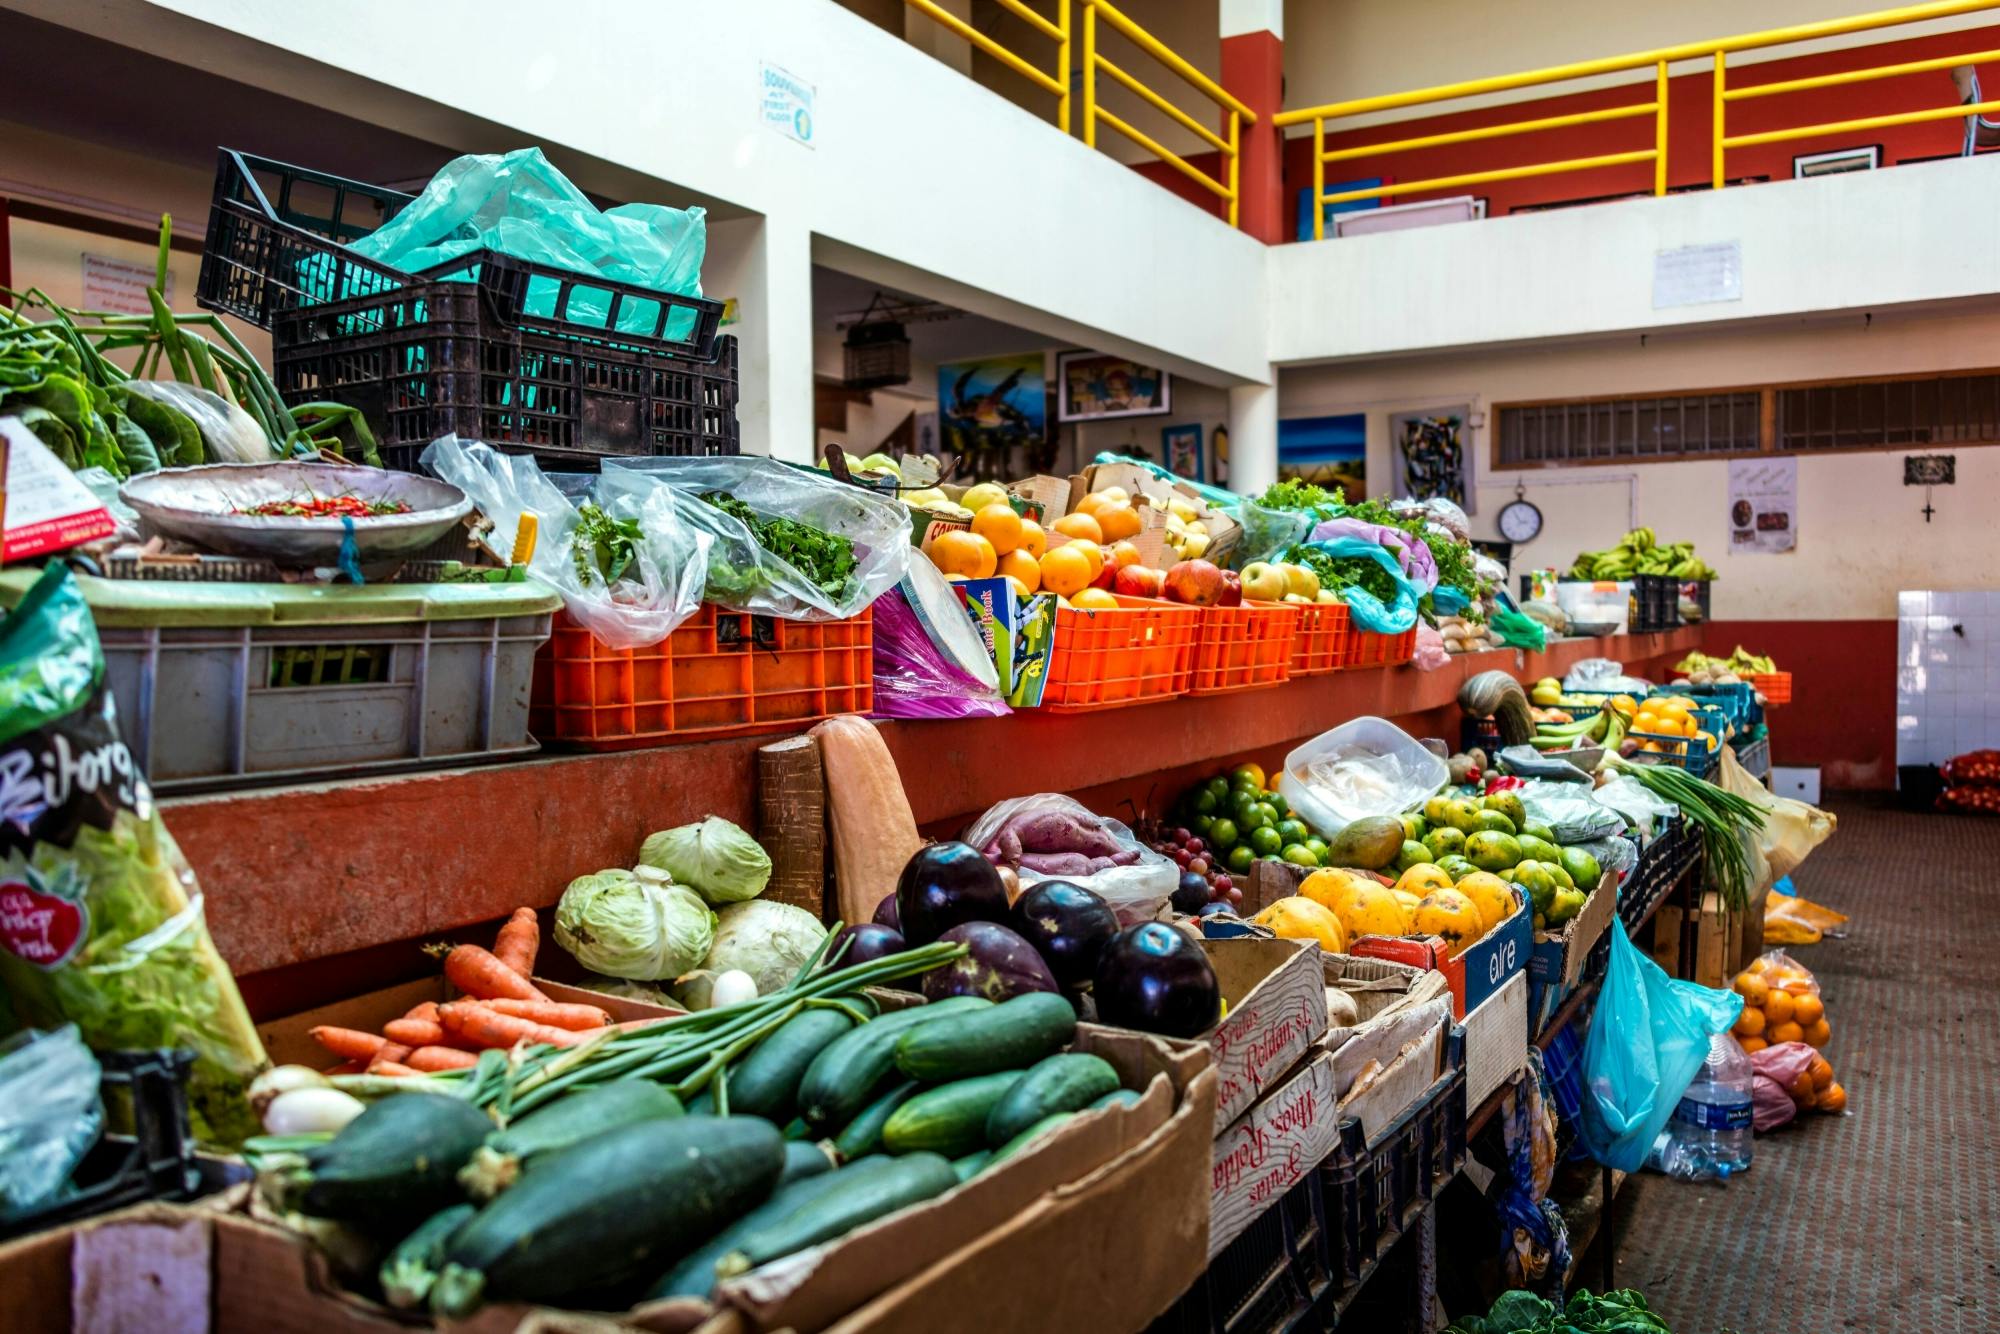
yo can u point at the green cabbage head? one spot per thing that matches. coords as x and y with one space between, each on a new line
715 858
634 924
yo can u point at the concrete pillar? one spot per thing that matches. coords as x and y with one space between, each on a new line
1253 436
766 266
1253 71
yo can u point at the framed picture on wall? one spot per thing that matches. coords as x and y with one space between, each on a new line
1091 386
1866 157
1181 447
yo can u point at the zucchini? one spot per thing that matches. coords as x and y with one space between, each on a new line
949 1119
610 1210
1011 1036
805 1159
1028 1136
896 1184
849 1072
863 1135
796 1128
1066 1082
567 1121
694 1275
766 1082
703 1103
968 1166
411 1269
396 1161
1121 1098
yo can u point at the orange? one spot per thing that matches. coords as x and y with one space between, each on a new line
1021 591
1802 1089
1018 564
1124 554
1090 552
960 552
1779 1007
1750 1023
1646 721
1066 571
1078 525
1819 1034
999 525
1808 1010
1751 1045
1688 725
1752 989
1822 1072
1095 599
1034 540
1096 502
1654 747
1787 1032
1118 521
1833 1098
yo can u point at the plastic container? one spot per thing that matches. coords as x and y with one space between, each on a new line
228 684
1775 687
721 673
1402 773
1237 648
1272 1277
1656 603
1324 640
1106 659
1368 649
423 357
1599 602
1709 1134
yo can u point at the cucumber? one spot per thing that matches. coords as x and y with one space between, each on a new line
411 1269
694 1275
1028 1136
796 1129
610 1210
1122 1098
949 1119
1066 1082
805 1159
396 1161
766 1082
702 1103
863 1135
567 1121
895 1185
848 1073
968 1166
1011 1036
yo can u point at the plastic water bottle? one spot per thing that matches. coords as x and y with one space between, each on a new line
1709 1134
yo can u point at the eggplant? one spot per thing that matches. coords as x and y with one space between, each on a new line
998 966
1158 980
1068 925
869 940
886 915
946 885
1192 894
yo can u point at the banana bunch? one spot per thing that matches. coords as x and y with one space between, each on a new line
1640 552
1603 728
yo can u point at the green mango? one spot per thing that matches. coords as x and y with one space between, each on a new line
1413 854
1538 849
1495 822
1508 804
1491 850
1444 841
1582 867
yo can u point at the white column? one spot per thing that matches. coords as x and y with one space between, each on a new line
1253 436
1238 17
765 264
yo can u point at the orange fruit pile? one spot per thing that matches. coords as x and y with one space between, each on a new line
1779 1005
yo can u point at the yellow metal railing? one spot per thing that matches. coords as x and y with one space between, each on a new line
1658 61
1091 62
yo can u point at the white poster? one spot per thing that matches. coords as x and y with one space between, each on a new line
1696 275
119 285
1763 505
786 103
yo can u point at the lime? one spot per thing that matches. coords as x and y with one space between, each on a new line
1223 834
1217 788
1266 813
1278 804
1205 802
1239 859
1264 841
1300 855
1243 806
1293 831
1318 846
1250 774
1201 824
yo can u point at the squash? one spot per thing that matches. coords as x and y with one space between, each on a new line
874 831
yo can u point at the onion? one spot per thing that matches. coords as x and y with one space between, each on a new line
733 988
311 1111
283 1079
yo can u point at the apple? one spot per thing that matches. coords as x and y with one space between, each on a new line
1139 581
1265 582
1326 597
1105 575
1232 590
1300 580
1197 583
1298 599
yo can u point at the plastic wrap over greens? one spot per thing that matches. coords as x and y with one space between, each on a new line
634 924
1569 812
50 1115
714 858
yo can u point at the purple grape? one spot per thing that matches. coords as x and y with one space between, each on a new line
1182 836
1195 845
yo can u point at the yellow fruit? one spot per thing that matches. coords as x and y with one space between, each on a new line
1078 525
1034 541
1123 554
1118 522
1092 553
1018 564
999 525
1750 1023
1370 910
1096 502
1409 903
1450 915
1489 894
969 554
1330 887
1300 918
1065 571
1787 1032
1779 1008
1422 878
1094 599
977 498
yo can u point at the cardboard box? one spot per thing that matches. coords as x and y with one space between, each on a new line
1276 995
1386 1067
1223 531
1496 1041
996 614
1557 963
1718 940
1381 989
1270 1148
1799 783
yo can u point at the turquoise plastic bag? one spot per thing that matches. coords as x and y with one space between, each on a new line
1449 601
1647 1039
1367 611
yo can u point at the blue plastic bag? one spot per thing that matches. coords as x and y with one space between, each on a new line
1367 611
1648 1037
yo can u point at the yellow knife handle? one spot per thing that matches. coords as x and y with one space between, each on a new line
524 540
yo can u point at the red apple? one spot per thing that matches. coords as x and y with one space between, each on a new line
1138 581
1232 590
1196 582
1106 577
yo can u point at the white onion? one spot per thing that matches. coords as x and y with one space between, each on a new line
282 1079
307 1111
733 987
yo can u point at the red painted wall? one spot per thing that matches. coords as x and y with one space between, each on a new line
1842 718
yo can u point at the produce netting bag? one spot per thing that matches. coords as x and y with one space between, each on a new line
100 917
1136 890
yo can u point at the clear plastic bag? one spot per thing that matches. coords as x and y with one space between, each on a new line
1136 889
1266 532
1648 1037
913 679
1640 806
1603 676
51 1112
659 589
1570 812
1367 766
1613 854
742 574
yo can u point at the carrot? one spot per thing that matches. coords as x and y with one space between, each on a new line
519 940
414 1032
347 1068
348 1042
478 974
389 1053
491 1029
395 1068
428 1012
555 1014
441 1058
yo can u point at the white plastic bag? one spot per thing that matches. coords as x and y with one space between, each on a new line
1636 802
1368 766
50 1115
1135 890
1569 812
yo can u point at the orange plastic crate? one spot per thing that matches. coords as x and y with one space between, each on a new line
722 673
1106 659
1243 646
1775 687
1367 649
1325 639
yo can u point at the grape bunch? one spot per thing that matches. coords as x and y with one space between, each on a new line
1205 886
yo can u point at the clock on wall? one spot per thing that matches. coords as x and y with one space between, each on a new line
1520 520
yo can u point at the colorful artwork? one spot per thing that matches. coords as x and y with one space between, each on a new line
1094 387
992 404
1181 445
1326 451
1433 457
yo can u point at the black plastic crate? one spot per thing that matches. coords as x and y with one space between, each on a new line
146 1090
1273 1277
1376 1189
1660 868
1656 603
489 346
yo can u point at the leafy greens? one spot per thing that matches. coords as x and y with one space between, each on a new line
826 559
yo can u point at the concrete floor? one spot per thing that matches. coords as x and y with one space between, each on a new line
1882 1220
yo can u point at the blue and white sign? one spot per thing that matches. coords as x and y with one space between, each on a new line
786 104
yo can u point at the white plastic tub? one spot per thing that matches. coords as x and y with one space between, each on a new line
1391 771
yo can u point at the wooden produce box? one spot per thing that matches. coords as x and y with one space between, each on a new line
1276 996
1270 1149
1496 1041
1718 940
1380 989
1380 1072
1223 531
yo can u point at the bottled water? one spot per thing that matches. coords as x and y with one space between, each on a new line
1709 1134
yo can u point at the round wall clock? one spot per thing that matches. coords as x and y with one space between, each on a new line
1520 521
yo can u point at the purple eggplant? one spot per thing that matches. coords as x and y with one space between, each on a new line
1192 894
943 886
869 940
1068 925
998 965
886 914
1158 980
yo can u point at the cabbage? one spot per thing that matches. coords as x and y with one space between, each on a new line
714 858
766 939
634 924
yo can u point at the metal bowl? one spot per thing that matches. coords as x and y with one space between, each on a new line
203 507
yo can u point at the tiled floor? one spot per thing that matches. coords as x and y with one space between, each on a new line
1886 1220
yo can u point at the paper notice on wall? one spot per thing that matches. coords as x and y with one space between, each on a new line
786 103
119 285
1763 506
1696 275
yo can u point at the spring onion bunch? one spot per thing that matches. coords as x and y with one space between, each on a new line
1722 818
